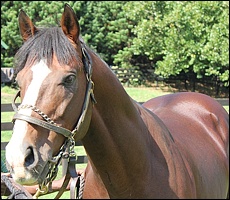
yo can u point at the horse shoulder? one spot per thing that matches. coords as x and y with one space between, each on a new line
167 160
197 124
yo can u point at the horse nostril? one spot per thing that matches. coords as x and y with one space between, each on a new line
29 158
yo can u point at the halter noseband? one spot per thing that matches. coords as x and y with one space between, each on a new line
48 123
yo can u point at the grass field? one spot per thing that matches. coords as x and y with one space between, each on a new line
140 94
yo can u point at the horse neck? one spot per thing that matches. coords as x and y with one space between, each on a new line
115 142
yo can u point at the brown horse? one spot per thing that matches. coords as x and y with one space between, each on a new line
173 146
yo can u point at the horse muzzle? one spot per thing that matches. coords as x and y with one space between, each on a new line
25 166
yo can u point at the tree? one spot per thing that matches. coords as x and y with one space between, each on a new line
188 37
104 27
105 34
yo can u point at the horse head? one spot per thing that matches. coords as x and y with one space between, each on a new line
54 76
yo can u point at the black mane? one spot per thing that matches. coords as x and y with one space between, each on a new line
43 45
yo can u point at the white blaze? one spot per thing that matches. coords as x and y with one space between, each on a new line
15 150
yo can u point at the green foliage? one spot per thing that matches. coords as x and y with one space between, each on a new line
171 37
190 36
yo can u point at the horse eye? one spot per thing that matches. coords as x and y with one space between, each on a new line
69 80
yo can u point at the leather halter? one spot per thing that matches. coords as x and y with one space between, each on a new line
50 125
66 151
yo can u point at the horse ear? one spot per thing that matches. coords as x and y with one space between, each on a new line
70 24
26 26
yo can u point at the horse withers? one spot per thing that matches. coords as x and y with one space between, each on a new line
173 146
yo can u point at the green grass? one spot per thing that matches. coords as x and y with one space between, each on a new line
5 136
6 116
142 94
8 90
